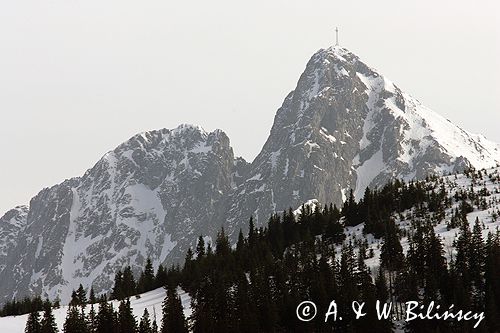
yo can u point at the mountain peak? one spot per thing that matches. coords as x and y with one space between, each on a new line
345 126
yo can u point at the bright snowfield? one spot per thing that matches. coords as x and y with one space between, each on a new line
151 300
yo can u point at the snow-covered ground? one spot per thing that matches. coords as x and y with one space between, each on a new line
151 300
452 185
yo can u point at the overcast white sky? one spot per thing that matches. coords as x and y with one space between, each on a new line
78 77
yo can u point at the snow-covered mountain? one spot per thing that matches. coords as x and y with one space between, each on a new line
347 126
149 197
344 126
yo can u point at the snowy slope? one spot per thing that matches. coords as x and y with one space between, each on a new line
151 300
452 185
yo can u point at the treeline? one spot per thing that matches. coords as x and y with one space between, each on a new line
26 305
103 318
378 205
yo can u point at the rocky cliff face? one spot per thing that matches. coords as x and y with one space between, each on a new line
347 126
151 196
344 126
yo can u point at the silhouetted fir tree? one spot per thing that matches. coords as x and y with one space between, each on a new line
48 322
460 265
251 234
92 319
492 282
381 286
154 326
347 284
160 277
92 298
33 323
118 292
147 279
241 249
75 321
145 324
415 255
267 315
74 299
435 266
81 295
350 211
391 256
200 248
189 269
105 319
126 319
275 234
128 282
173 319
244 317
209 250
476 265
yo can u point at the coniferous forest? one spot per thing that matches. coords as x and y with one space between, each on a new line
383 247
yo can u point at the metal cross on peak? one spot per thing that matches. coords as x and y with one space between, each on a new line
336 36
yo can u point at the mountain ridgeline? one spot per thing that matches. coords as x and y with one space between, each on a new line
345 126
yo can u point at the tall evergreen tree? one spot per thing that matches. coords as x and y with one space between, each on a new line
145 324
33 323
173 319
48 322
75 321
147 279
129 285
200 248
105 319
126 319
81 295
118 292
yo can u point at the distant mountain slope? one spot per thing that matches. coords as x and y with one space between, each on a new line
344 126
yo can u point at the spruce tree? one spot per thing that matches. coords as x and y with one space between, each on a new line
145 324
118 292
200 248
173 320
128 282
48 322
391 257
75 321
105 319
160 277
126 319
461 265
81 295
149 275
476 264
33 323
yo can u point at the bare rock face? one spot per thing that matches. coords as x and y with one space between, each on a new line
347 126
151 196
344 126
